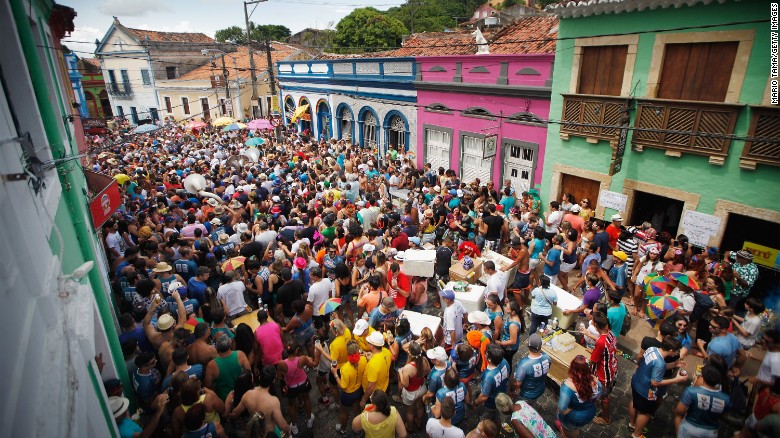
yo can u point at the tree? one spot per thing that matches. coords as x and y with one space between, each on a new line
367 29
232 33
258 32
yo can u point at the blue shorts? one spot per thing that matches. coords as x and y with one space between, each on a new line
347 399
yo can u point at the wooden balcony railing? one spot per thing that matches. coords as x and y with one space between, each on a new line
765 129
685 127
584 115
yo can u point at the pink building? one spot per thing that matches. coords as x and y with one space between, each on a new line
484 115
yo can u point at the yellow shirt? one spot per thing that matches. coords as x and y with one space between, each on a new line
351 377
361 340
338 348
378 370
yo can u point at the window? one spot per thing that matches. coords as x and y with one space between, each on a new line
170 72
369 130
478 112
525 118
168 106
112 81
134 115
125 81
602 69
438 108
697 71
204 106
185 103
222 106
154 114
145 77
120 111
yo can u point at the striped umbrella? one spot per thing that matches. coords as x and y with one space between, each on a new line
330 306
685 280
658 286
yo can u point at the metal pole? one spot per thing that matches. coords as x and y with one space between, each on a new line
272 84
255 97
240 112
225 78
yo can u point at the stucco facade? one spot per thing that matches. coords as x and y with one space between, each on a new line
462 100
668 154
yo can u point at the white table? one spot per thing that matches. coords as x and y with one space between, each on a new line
418 321
473 299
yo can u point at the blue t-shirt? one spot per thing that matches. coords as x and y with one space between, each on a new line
128 428
618 275
146 386
582 411
186 268
507 202
459 396
195 372
435 378
705 406
685 341
554 255
725 347
465 367
494 381
543 299
140 336
532 373
376 317
403 356
616 316
651 369
506 335
197 290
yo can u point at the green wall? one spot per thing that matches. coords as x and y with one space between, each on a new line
691 173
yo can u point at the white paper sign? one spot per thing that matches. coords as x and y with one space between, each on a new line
613 200
699 227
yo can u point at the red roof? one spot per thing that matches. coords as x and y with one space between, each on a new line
279 53
176 37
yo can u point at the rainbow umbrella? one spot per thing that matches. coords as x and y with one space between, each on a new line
233 264
659 308
658 286
685 279
330 306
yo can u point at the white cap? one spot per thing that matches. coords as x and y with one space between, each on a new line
360 327
437 353
368 247
173 286
276 199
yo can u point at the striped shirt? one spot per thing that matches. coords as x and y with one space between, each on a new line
604 359
629 247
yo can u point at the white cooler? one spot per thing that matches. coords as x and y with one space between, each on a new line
419 263
566 301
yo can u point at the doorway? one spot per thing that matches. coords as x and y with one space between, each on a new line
664 213
579 187
519 162
741 229
204 106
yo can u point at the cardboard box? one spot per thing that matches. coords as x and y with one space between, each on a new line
419 263
457 273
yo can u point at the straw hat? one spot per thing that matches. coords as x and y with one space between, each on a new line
223 238
162 267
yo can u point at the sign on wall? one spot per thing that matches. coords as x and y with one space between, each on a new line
489 147
699 227
763 255
614 200
105 197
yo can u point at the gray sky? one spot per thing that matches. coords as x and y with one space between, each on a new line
95 16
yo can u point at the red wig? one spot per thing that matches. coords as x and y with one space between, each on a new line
581 376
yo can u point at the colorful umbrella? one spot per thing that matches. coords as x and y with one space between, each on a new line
143 129
233 264
661 307
255 141
685 279
234 127
223 121
330 306
658 286
195 125
260 124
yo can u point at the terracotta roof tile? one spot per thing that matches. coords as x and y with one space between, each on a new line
178 37
90 65
280 52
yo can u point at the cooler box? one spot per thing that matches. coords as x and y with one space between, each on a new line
566 301
419 263
457 273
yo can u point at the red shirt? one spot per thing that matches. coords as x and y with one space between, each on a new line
604 359
400 242
614 233
404 283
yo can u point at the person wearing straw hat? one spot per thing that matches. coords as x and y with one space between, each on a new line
129 428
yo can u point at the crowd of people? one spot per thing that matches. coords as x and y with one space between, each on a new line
209 235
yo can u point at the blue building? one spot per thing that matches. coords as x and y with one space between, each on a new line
71 61
368 101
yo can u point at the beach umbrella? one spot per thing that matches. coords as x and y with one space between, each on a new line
195 125
223 121
260 124
143 129
330 306
255 141
658 286
685 279
234 127
659 308
233 264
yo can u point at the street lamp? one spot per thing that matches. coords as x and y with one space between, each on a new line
206 52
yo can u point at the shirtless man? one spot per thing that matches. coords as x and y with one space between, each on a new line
260 400
165 323
201 351
165 353
523 277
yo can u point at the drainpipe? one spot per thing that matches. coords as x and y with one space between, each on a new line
75 203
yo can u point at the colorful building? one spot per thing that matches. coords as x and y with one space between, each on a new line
56 297
95 93
71 61
675 125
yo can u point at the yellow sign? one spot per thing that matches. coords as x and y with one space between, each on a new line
275 105
763 255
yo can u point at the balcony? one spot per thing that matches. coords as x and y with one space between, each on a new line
764 149
678 127
371 69
119 90
587 115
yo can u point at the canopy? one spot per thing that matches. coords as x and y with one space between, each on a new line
142 129
260 124
222 121
298 112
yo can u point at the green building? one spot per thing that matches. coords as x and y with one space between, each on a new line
690 82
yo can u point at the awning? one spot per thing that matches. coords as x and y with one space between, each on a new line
105 197
298 112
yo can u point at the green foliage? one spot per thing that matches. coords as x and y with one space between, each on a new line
258 32
367 29
232 33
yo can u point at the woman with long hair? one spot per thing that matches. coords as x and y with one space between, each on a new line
244 383
511 330
349 378
193 393
298 385
495 313
412 380
577 401
379 419
246 342
302 326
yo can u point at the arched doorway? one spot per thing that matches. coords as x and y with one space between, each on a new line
304 123
105 104
323 121
346 122
369 124
289 109
396 131
92 107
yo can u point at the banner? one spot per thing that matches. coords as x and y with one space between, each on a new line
105 197
763 255
699 227
613 200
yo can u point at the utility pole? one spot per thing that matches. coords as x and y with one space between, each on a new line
272 82
225 78
255 97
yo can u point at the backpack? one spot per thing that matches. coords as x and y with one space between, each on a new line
703 304
626 323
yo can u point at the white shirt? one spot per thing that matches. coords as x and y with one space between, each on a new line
435 429
453 321
319 292
115 241
769 370
496 285
751 324
555 219
233 296
686 300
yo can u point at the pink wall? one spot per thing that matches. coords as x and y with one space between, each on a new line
499 105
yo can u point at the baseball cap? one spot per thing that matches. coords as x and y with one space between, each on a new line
576 208
361 325
437 353
620 255
447 294
535 342
389 304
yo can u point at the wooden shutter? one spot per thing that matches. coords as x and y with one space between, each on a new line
697 71
601 70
